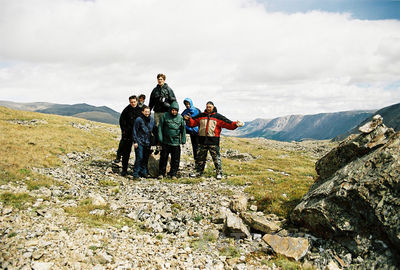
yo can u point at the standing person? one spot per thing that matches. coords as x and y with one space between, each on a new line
126 122
142 98
193 131
161 98
210 124
143 128
171 133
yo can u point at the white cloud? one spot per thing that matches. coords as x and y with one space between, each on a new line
251 63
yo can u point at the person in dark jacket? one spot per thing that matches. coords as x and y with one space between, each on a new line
141 99
161 98
210 124
126 121
193 131
143 128
171 133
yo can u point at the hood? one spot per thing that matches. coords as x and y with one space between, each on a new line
188 100
174 105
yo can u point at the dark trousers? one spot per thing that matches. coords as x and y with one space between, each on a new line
142 154
194 139
175 152
119 151
202 157
126 152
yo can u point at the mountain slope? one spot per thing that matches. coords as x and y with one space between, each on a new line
100 114
391 118
298 127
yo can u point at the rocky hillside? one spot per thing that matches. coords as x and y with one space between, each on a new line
101 114
299 127
64 204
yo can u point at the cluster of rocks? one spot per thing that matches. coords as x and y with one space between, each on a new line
355 199
32 122
88 126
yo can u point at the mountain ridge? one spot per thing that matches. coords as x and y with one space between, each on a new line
86 111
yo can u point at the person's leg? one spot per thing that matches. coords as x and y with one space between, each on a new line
216 156
194 139
119 151
138 160
163 160
175 159
145 160
201 158
126 152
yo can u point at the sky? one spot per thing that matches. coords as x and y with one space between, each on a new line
252 58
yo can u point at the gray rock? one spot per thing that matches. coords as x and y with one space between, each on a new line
234 226
42 265
291 247
357 193
238 203
261 223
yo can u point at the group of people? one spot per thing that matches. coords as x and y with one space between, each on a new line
168 131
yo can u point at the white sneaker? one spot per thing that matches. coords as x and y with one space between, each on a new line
219 176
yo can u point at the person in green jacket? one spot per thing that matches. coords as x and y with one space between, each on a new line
171 133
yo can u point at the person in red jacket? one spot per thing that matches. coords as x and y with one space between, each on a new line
210 123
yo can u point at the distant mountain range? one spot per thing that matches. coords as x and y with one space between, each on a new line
100 114
320 126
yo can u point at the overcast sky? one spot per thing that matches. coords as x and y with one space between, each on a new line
253 59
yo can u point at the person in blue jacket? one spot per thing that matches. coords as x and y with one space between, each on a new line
192 111
143 128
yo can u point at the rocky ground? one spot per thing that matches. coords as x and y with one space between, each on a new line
150 223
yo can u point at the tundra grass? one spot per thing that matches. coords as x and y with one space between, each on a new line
25 146
276 178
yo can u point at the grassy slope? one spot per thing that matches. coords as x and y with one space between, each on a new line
23 147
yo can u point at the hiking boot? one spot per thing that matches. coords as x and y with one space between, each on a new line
195 175
117 160
160 177
219 176
124 173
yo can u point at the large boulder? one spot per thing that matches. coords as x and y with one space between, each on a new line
356 198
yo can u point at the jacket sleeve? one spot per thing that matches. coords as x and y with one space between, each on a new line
136 127
152 101
183 131
122 120
228 124
160 128
193 122
194 112
171 95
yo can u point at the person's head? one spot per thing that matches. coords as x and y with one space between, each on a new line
187 104
161 79
209 107
146 110
142 98
174 108
133 101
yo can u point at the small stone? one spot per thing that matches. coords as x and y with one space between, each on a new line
253 208
238 204
7 210
42 265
